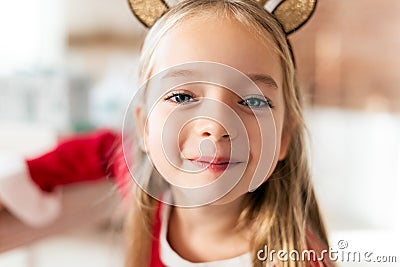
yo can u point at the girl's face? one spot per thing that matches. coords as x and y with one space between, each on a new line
206 143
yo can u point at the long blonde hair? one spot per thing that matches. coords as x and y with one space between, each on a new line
284 209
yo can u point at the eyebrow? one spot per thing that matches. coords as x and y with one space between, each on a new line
263 78
177 73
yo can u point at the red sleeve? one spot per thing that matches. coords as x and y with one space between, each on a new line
315 245
84 157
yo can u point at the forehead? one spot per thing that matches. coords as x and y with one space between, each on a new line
221 40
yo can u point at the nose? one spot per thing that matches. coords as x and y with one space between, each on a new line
209 128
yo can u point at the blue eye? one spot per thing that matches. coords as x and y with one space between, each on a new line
180 98
256 102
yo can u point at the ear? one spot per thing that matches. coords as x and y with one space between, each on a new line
148 11
292 14
141 127
286 138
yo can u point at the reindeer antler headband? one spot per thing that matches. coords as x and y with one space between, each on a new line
292 14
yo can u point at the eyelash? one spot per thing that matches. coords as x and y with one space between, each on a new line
173 94
264 100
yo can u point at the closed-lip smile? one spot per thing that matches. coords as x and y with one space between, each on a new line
214 164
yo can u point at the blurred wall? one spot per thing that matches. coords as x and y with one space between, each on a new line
347 55
92 17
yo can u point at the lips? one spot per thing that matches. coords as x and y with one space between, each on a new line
214 164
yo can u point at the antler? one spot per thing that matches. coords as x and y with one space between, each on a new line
292 14
148 11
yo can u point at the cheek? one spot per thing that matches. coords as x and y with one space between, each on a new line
263 135
186 142
255 142
265 142
156 145
162 140
154 130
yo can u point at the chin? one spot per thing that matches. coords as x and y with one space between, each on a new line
192 180
236 194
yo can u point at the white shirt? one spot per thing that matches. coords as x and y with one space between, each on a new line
171 259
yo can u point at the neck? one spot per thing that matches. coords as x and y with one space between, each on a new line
216 219
208 226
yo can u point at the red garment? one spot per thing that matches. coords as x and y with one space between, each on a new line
155 260
85 157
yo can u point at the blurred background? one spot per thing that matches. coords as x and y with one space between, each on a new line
68 66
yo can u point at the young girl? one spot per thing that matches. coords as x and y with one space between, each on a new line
219 161
192 66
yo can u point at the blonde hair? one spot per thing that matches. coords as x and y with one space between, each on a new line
284 208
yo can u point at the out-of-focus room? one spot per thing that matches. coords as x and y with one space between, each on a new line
70 66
